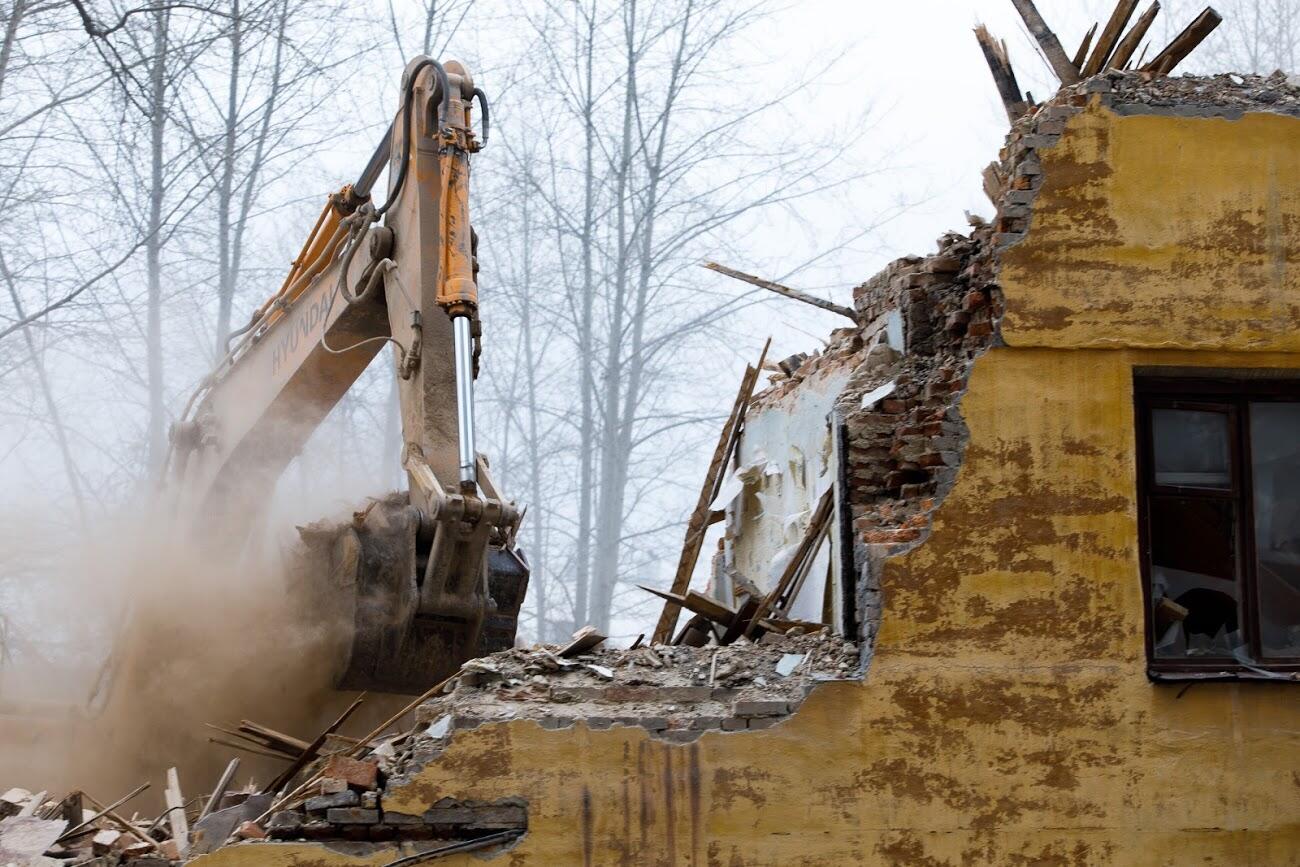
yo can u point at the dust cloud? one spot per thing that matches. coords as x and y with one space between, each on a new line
145 638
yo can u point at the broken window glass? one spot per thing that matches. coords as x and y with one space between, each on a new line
1275 470
1195 591
1192 448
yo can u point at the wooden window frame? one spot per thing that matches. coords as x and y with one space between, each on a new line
1214 394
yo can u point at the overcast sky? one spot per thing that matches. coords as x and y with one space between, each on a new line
934 120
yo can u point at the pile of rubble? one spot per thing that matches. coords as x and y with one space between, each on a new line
1223 95
674 692
37 830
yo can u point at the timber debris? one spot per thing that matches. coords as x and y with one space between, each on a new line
1113 50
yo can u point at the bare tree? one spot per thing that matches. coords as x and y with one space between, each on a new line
643 164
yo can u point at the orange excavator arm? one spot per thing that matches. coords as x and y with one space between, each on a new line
403 274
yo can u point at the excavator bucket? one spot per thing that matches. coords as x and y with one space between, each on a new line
367 577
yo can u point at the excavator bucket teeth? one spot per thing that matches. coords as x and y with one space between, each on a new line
366 577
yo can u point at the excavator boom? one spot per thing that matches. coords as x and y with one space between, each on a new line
428 579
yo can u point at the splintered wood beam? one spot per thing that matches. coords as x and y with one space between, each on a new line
250 749
1129 44
313 749
1066 71
1184 43
783 290
103 811
219 791
1082 53
1004 77
1124 10
698 523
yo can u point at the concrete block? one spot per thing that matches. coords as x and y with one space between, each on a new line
332 786
352 816
284 823
321 803
760 708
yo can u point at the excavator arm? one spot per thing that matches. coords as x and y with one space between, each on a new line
411 578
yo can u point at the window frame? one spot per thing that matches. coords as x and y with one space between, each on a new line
1208 394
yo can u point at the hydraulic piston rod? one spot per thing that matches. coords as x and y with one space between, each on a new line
464 349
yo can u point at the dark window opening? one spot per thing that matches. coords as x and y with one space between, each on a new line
1219 500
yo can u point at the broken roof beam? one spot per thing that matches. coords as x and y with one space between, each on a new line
1184 43
1082 53
1129 44
783 290
1119 19
1060 62
995 54
698 522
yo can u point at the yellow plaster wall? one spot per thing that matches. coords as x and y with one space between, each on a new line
1154 231
1006 717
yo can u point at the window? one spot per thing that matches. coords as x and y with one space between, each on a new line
1219 500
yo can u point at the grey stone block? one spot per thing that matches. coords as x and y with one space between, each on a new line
760 708
321 803
352 816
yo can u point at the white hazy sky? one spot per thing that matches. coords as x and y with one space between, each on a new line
935 121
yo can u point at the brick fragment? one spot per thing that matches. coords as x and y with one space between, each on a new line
250 831
891 537
360 774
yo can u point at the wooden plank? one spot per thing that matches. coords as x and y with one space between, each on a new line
256 742
312 749
796 294
696 603
697 524
1129 44
251 750
584 639
1082 53
219 790
110 812
1184 43
1066 71
1004 77
176 818
1124 10
274 738
104 811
